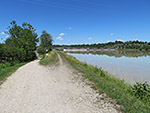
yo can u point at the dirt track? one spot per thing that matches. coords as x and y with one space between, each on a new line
53 89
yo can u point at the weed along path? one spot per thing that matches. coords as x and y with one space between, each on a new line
52 89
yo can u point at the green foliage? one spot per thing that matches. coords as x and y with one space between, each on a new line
4 65
8 70
21 44
12 54
41 50
46 43
142 91
2 45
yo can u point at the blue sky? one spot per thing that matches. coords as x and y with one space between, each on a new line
80 21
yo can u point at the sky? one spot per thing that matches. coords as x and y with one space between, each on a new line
80 21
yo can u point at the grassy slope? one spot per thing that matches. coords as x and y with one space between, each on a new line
52 58
5 72
113 87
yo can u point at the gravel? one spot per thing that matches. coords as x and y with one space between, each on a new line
53 89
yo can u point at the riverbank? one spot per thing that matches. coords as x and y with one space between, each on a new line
51 58
113 87
116 53
88 50
7 71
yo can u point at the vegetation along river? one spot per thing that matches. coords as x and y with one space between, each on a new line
131 66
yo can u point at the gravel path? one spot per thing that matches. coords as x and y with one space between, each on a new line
54 89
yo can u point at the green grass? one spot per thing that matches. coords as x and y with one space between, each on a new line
113 87
7 71
52 58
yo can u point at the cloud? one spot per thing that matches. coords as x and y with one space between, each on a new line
59 38
2 33
90 38
111 34
7 36
61 34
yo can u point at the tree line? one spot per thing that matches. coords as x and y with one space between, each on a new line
22 43
138 45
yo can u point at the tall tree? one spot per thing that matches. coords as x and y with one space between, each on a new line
23 38
46 40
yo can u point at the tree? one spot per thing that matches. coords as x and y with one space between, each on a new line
23 39
2 45
46 41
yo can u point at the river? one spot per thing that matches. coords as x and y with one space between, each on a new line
131 66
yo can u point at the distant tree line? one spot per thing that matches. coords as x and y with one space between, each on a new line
139 45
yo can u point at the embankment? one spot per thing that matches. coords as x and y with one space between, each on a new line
113 87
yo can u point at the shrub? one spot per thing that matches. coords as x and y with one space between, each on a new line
142 91
41 50
2 65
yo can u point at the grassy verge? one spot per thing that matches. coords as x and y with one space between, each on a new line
114 88
52 58
7 71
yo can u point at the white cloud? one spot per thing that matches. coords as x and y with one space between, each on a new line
2 33
62 34
111 34
7 36
90 38
59 38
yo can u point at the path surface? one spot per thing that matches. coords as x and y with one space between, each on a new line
55 89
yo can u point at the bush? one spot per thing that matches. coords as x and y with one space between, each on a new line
142 91
4 65
41 50
15 54
1 66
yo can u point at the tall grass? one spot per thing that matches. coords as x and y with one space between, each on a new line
52 58
113 87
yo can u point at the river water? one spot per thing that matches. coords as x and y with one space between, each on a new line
131 66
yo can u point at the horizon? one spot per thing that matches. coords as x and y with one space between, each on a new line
80 21
102 43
